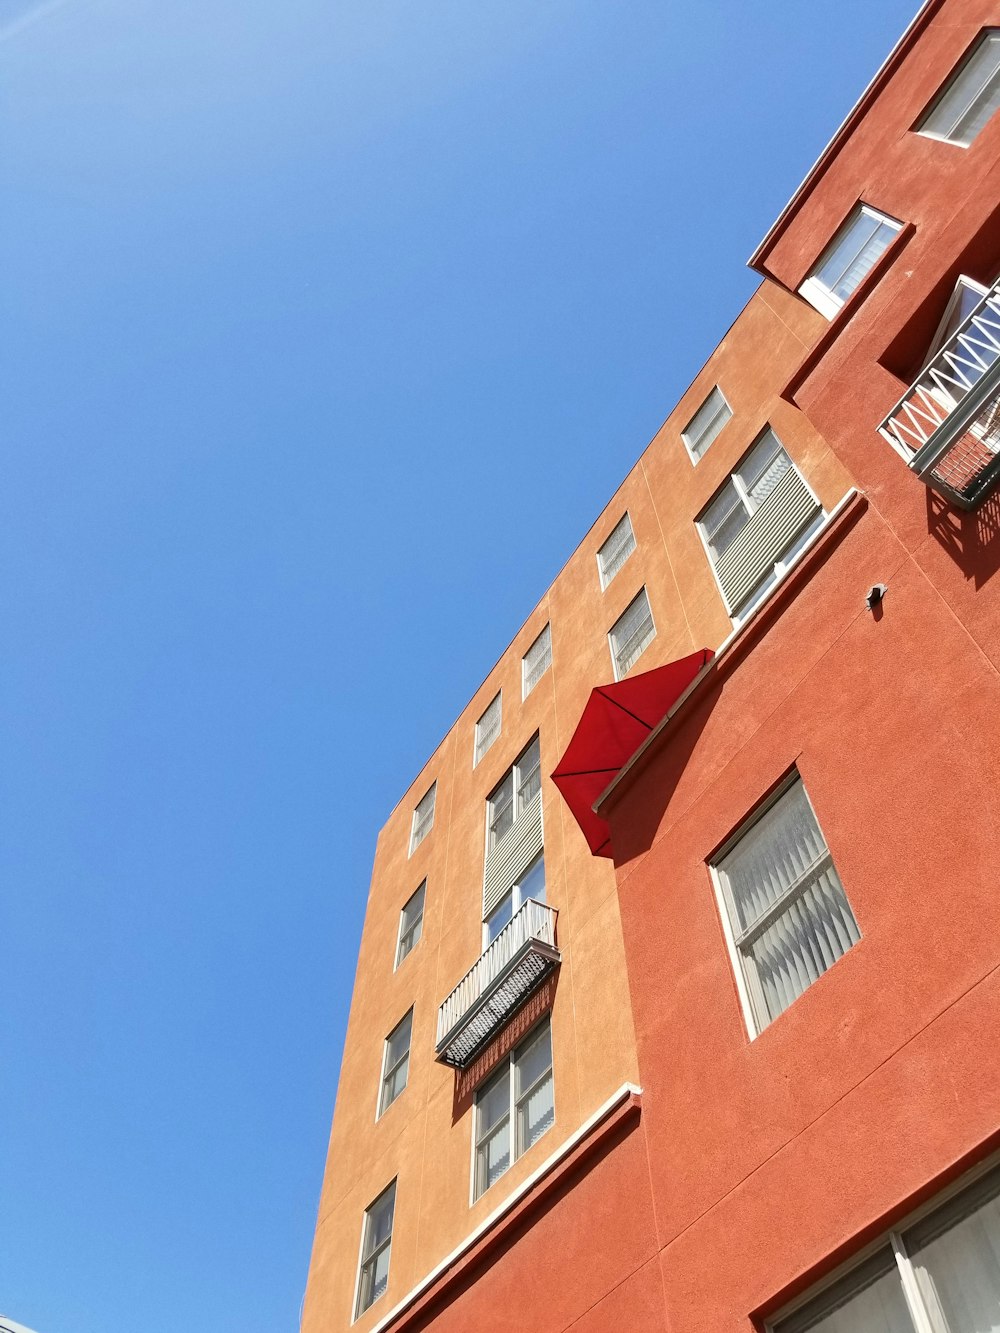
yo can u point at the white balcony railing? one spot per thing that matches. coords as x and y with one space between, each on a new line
513 966
947 424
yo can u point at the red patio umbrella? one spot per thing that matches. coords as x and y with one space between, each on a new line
615 722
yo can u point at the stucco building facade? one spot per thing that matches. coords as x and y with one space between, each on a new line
701 1033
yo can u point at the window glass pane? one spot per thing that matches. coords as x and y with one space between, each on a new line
533 1059
537 661
535 1114
816 929
414 909
790 915
851 245
411 921
499 918
868 1300
723 520
488 727
399 1041
529 774
773 854
857 247
501 809
972 96
632 633
763 468
423 818
380 1274
395 1082
706 423
493 1103
380 1219
616 550
532 882
494 1155
956 1257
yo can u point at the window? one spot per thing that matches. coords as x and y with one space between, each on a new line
970 97
616 550
514 1109
376 1242
706 423
520 784
411 924
488 728
536 661
941 1273
395 1062
423 818
786 912
856 247
531 884
761 516
631 634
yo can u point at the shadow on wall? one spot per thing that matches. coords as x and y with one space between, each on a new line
468 1080
970 536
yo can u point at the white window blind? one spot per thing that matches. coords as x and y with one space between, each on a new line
941 1273
787 910
758 518
970 97
706 423
375 1248
631 634
616 550
395 1062
488 728
514 1109
423 818
536 661
411 924
853 252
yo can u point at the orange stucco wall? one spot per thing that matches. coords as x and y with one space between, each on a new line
881 1078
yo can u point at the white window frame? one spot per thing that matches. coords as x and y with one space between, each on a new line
693 444
757 1023
389 1072
422 823
744 609
418 925
488 728
895 1238
608 570
950 86
363 1261
516 1098
519 773
545 653
816 292
619 673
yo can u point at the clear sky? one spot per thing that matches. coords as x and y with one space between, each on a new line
329 326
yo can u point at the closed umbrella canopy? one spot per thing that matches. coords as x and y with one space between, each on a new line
615 722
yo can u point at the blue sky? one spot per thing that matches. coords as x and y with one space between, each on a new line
328 329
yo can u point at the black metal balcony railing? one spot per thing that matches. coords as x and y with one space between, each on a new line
495 987
947 424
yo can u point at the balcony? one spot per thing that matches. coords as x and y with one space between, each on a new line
495 987
947 424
